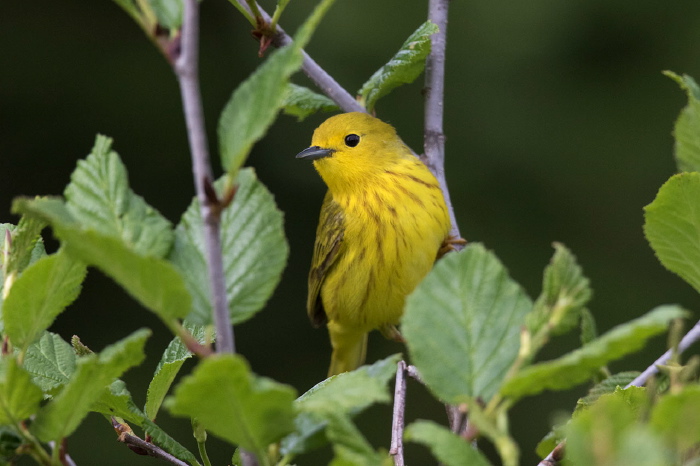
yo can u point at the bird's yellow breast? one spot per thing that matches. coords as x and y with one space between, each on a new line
395 222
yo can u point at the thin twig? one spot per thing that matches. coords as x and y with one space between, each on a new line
318 75
149 449
397 424
186 66
433 135
691 337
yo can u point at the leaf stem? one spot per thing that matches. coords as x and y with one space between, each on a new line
433 135
397 425
202 446
186 68
281 5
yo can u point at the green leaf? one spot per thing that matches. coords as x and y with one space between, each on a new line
609 385
672 226
302 102
447 447
61 416
580 365
42 292
347 393
254 252
677 417
170 363
152 281
609 433
254 105
403 68
565 292
19 397
687 129
168 12
50 361
116 400
350 446
589 331
462 325
99 198
27 245
167 443
234 404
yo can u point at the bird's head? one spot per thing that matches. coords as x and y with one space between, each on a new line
352 148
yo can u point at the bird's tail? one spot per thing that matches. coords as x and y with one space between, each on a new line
349 349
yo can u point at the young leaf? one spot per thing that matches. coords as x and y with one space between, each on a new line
166 442
168 12
579 365
116 400
27 245
50 361
687 129
254 104
42 292
448 448
609 385
302 102
253 244
403 68
589 331
350 446
234 404
672 226
347 393
170 363
19 397
99 198
565 292
462 325
677 417
152 281
61 416
609 434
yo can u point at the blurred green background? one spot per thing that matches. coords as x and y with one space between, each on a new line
558 125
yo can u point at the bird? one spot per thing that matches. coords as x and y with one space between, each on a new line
382 225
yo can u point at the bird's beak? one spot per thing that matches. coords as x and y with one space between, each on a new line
314 153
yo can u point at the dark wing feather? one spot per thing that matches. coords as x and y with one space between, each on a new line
329 241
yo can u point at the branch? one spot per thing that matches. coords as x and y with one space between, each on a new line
397 424
186 66
433 135
141 447
691 337
323 80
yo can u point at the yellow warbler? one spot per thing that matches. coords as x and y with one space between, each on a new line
382 223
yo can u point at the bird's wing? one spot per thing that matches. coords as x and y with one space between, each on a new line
329 241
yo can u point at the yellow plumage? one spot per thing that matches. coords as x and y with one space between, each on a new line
382 223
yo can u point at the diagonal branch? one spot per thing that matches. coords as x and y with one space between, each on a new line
691 337
186 66
688 340
318 75
433 135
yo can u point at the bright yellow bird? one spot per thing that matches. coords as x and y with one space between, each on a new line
382 223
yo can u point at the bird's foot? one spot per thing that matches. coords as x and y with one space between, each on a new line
451 243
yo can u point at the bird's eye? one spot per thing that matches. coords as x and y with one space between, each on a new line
351 140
